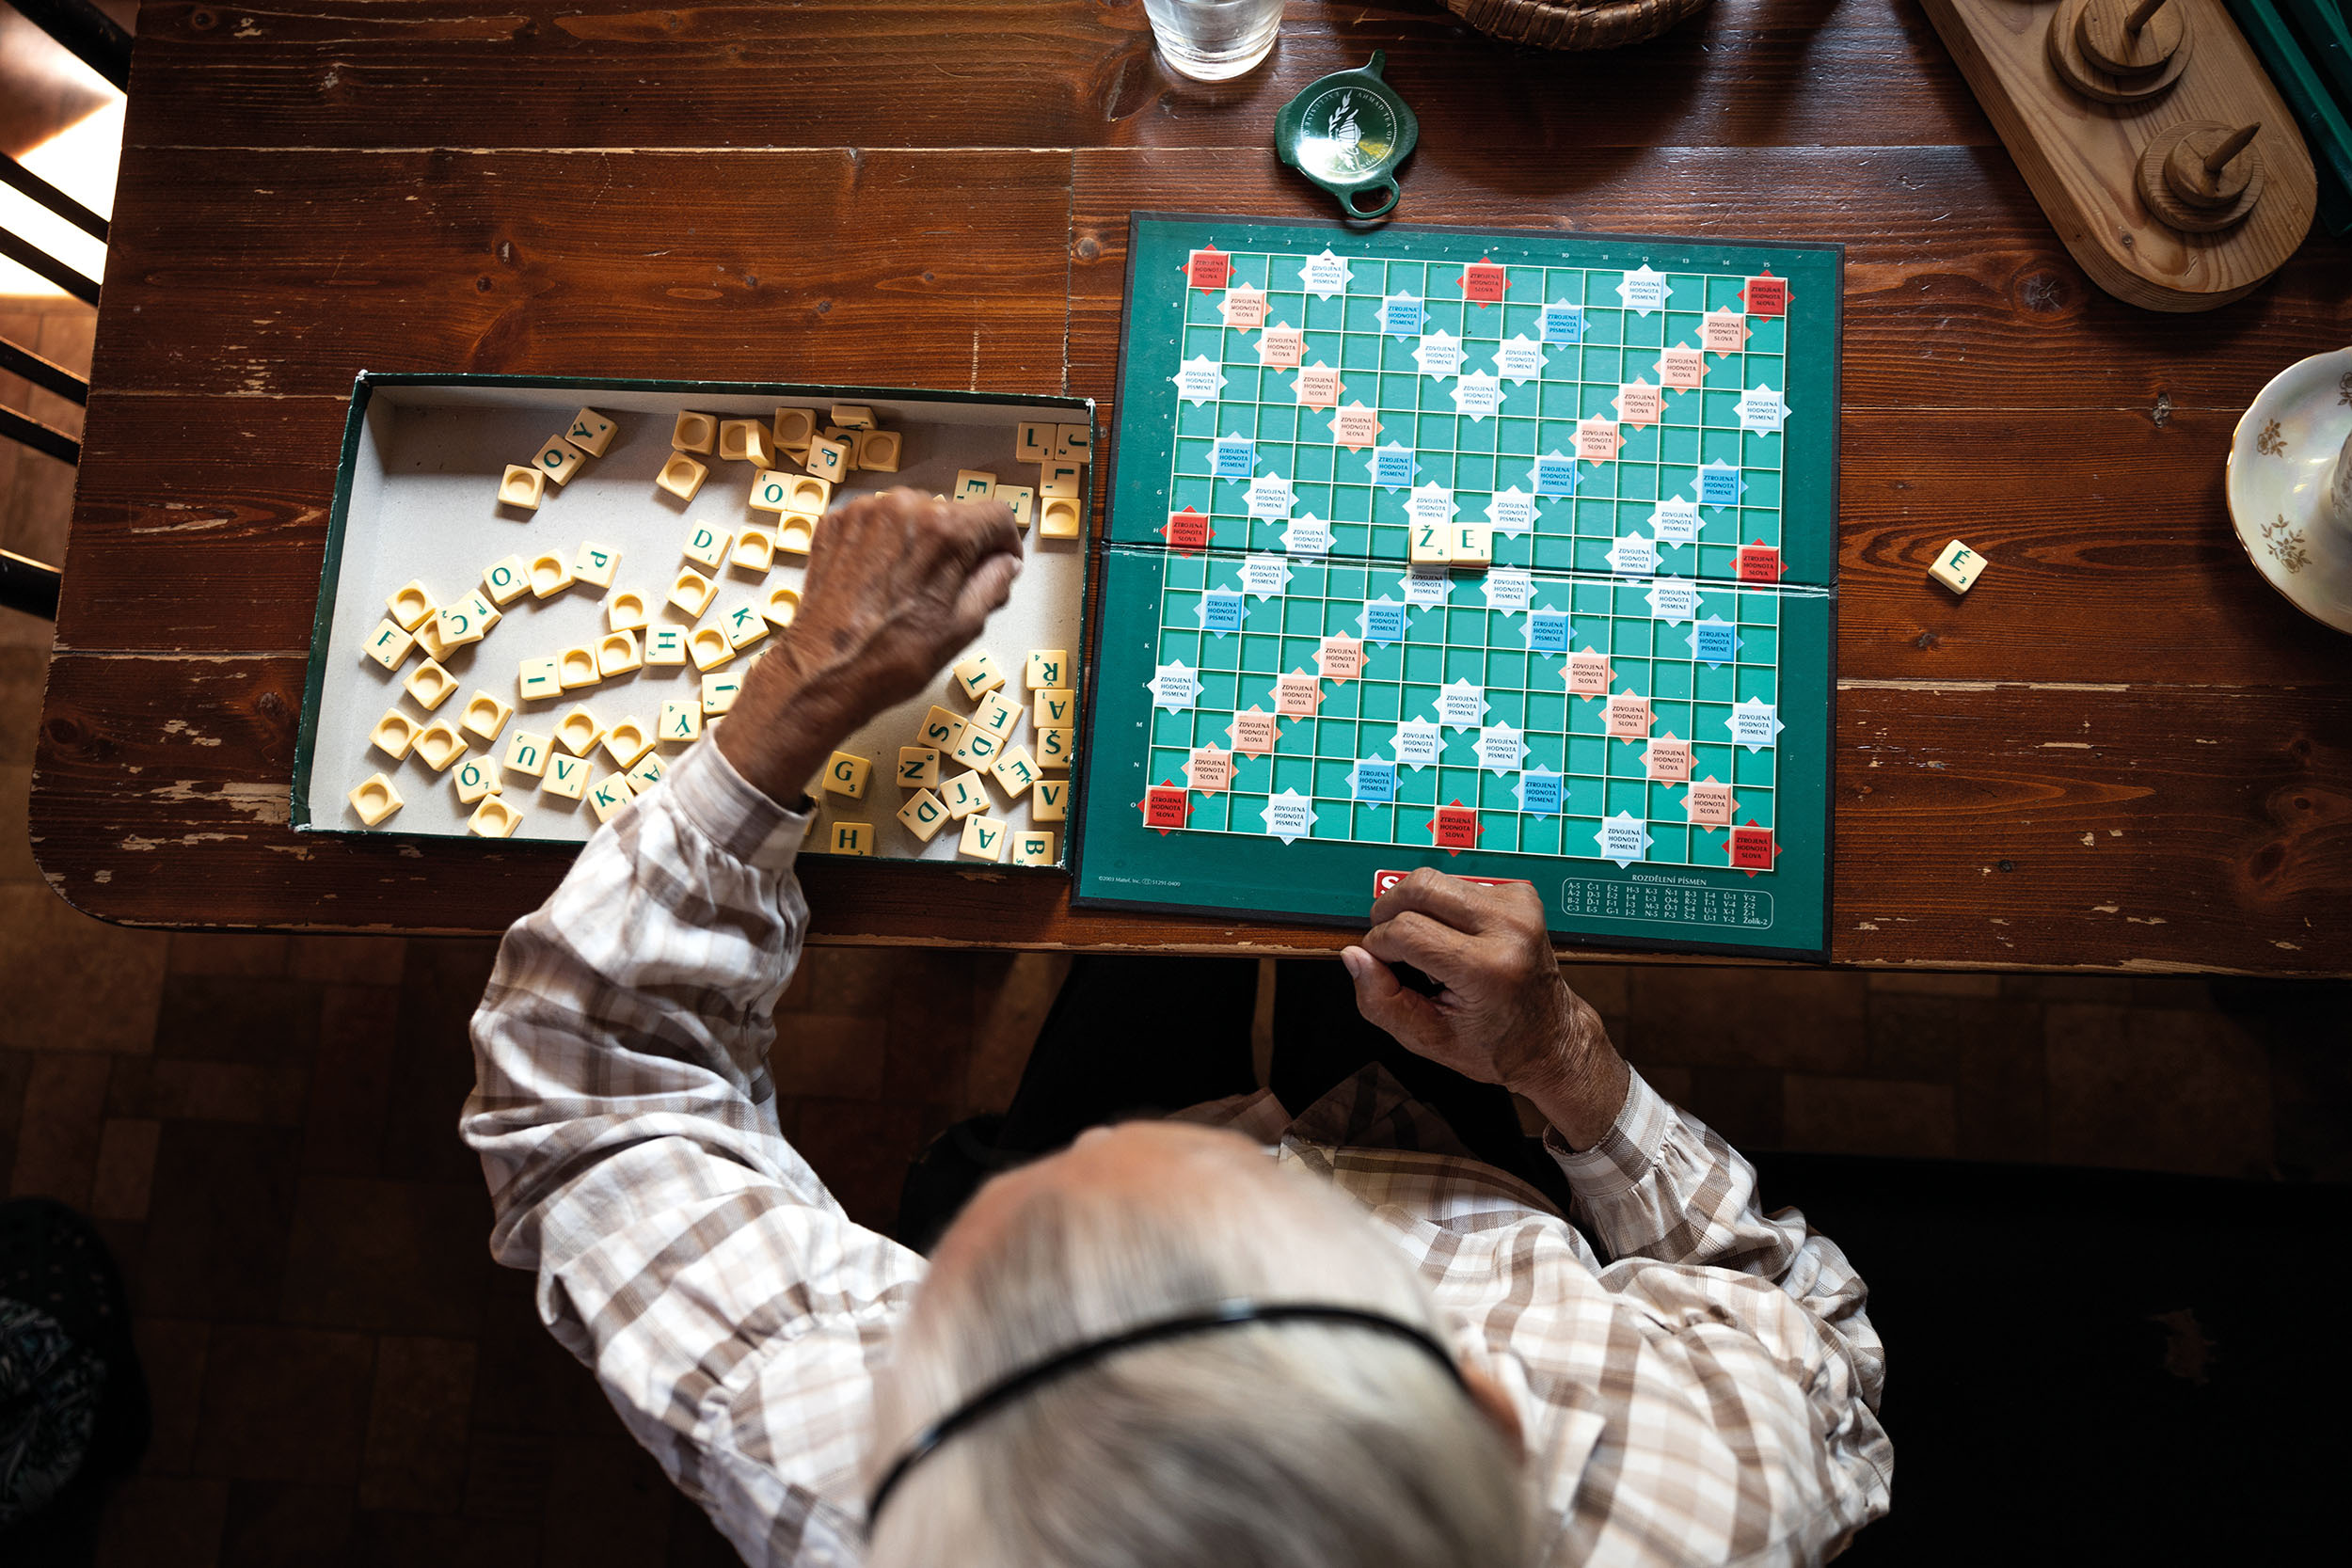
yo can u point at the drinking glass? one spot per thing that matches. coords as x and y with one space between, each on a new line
1212 40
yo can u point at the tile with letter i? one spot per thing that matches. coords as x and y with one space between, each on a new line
1045 669
918 768
1034 848
845 774
984 839
718 693
851 838
924 814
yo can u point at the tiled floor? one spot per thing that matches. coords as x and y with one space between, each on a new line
264 1128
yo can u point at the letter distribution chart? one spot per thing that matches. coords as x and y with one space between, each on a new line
1507 552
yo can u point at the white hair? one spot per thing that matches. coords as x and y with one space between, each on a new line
1297 1445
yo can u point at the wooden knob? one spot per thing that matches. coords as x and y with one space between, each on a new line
2130 38
2200 175
2212 168
2120 50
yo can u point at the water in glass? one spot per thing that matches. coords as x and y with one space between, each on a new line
1212 40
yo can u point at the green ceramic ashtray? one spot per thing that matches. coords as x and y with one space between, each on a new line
1347 133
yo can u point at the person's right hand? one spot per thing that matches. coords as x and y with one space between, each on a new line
897 583
1503 1014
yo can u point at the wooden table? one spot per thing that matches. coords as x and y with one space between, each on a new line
2122 751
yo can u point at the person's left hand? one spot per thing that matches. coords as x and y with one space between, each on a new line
1504 1015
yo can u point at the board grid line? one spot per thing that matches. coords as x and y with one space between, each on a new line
1548 833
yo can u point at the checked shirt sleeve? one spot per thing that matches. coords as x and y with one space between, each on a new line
626 1125
1743 1296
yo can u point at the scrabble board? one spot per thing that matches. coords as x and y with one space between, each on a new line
1507 552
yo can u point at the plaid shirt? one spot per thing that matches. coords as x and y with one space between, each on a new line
1706 1395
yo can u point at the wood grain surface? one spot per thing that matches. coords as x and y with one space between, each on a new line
2121 751
2082 156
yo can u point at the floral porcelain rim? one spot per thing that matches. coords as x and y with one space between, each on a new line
2280 457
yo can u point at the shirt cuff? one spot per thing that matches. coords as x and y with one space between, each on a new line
728 810
1626 1153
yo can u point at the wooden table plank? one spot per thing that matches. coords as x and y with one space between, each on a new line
1016 73
2112 558
286 273
2000 824
2121 752
1958 293
515 261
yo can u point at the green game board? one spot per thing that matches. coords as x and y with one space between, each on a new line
1621 687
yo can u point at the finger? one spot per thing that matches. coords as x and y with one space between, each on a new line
1405 1014
1463 905
981 528
984 593
1438 950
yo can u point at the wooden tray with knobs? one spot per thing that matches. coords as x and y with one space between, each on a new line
2130 120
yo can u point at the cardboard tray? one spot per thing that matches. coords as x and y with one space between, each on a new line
415 497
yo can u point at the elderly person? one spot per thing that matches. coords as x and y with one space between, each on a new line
1238 1337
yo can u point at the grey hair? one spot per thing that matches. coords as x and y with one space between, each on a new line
1300 1445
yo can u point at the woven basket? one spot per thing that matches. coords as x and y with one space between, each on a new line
1575 23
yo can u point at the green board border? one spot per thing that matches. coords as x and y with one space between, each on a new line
1120 863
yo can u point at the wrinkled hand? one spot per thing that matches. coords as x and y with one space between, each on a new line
897 584
1504 1015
